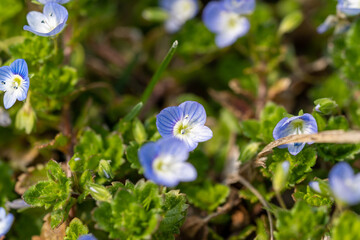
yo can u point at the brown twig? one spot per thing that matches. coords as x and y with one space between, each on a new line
335 136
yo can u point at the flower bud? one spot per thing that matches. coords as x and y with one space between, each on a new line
26 117
281 176
325 106
104 169
99 192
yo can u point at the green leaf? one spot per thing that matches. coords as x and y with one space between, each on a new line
269 117
291 22
156 78
300 164
134 212
346 227
312 198
138 131
99 192
207 196
9 8
132 155
75 230
301 222
134 112
173 213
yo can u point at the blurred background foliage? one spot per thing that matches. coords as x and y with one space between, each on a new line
88 79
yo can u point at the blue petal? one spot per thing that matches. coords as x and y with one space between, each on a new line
54 10
19 67
172 25
166 4
87 237
329 22
9 99
195 111
310 125
5 76
295 148
212 15
186 172
315 186
174 147
240 6
54 1
278 131
5 227
339 177
201 133
166 120
228 38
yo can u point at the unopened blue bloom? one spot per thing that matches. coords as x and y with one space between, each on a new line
315 186
179 11
329 22
54 1
285 166
349 7
344 184
185 122
225 20
87 237
14 81
305 124
49 23
164 162
5 222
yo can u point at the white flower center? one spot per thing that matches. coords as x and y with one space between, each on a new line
353 185
298 126
163 165
183 10
182 127
17 82
230 22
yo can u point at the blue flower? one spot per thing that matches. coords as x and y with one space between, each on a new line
49 23
87 237
164 162
349 7
315 186
344 184
224 19
14 81
179 11
185 122
305 124
5 222
53 1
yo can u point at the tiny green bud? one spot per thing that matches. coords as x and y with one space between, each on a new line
26 117
249 152
155 14
281 176
325 106
99 192
139 132
104 169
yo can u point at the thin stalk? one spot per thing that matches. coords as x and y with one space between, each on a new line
155 79
280 200
262 200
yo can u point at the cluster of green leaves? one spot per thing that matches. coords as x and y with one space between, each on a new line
140 211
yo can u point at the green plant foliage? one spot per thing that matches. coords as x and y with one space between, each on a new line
346 226
300 164
312 198
301 222
136 211
75 229
207 196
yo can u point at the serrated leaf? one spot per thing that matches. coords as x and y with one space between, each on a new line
75 230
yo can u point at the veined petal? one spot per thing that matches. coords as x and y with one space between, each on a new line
37 22
295 148
5 78
194 111
166 120
9 99
310 125
55 13
201 133
55 1
19 67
